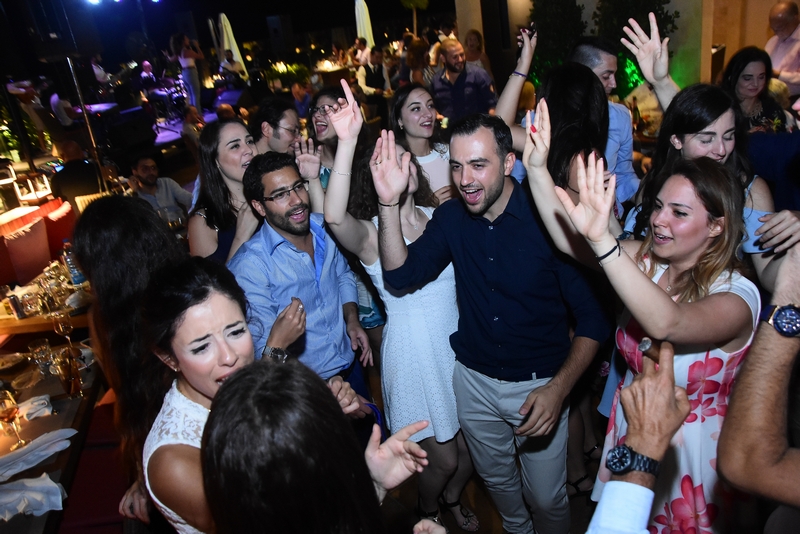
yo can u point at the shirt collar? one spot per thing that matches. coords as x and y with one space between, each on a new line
273 239
518 204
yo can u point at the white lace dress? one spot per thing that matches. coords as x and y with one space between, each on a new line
416 359
180 422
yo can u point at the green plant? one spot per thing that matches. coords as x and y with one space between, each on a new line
559 24
288 73
610 16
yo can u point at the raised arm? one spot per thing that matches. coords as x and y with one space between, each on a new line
552 212
391 181
653 57
754 453
722 318
308 162
507 104
359 237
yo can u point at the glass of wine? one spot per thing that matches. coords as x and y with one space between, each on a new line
9 414
62 324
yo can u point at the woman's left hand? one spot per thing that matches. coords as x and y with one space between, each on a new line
308 159
537 142
590 217
393 461
345 116
780 230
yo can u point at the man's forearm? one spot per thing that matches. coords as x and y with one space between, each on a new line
350 312
580 356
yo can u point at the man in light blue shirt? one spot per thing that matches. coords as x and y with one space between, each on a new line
161 193
600 56
292 255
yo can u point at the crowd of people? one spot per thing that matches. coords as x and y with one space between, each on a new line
480 265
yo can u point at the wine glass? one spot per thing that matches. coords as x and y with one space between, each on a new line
62 324
9 414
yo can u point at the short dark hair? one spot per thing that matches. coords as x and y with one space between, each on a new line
259 166
138 158
362 40
264 459
587 51
502 133
271 111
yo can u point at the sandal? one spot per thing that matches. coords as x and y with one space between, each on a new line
470 522
590 457
430 516
578 491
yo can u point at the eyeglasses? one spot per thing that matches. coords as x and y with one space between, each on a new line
294 131
284 195
324 109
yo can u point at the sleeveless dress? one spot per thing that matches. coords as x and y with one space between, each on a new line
689 496
416 359
180 422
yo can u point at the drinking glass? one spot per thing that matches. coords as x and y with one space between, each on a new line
40 353
9 414
62 324
66 367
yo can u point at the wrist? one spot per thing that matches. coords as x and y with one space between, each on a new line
603 244
648 445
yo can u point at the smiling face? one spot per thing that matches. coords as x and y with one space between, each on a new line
211 342
288 131
234 151
680 223
751 81
322 129
289 215
715 141
478 171
454 57
418 116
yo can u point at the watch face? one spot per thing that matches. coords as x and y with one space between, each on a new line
787 320
619 459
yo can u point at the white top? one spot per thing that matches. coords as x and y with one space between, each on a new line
180 422
58 105
437 166
186 62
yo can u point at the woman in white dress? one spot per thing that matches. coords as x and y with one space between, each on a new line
417 361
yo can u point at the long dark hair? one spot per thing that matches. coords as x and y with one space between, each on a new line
119 242
395 115
363 200
171 292
578 116
739 62
214 197
277 440
692 110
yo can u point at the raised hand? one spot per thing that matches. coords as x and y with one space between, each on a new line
389 177
651 52
345 116
537 142
526 41
590 217
307 158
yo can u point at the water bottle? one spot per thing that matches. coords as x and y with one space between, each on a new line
68 257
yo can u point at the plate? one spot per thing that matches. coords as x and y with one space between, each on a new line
7 361
27 379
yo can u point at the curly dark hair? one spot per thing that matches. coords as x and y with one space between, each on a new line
395 114
363 201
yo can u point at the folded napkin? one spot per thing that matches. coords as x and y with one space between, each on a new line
35 452
35 407
30 496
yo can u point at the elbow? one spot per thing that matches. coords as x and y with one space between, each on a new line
332 219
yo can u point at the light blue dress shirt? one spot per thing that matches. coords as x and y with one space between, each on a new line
271 271
619 151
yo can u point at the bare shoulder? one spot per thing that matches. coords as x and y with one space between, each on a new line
176 479
202 238
760 197
631 247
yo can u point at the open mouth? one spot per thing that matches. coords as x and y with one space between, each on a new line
472 195
661 239
321 127
298 215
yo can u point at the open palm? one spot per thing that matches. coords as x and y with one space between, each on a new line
345 117
537 142
389 177
591 215
650 51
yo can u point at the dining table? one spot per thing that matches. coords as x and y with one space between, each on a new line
60 467
39 323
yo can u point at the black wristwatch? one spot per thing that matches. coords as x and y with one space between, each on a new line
785 319
623 459
275 354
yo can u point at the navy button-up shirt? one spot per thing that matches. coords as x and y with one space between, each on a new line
516 297
472 93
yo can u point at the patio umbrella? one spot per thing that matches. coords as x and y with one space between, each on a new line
363 24
228 41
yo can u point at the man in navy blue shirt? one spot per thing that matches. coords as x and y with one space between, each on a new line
460 89
516 363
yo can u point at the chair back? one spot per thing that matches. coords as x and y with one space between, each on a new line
28 250
82 201
60 224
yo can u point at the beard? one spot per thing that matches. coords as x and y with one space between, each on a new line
490 196
285 223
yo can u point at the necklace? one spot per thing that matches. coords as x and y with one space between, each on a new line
669 284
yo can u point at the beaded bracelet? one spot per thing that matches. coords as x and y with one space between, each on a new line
515 73
341 173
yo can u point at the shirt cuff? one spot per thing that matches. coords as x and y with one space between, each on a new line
624 507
